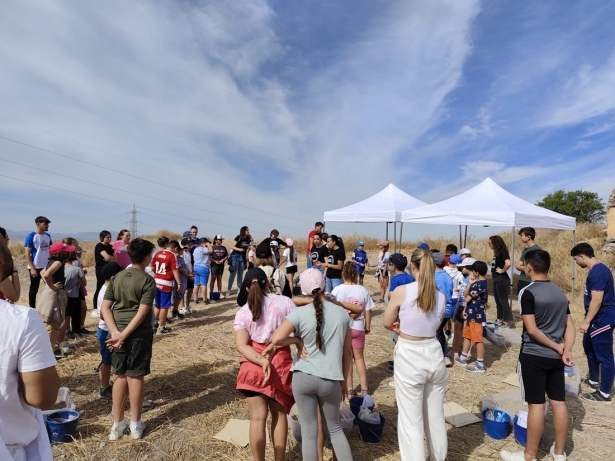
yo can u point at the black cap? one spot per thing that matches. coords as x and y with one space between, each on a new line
263 250
478 266
111 269
185 242
204 240
254 275
398 260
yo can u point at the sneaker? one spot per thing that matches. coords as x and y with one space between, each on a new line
462 360
448 362
222 296
137 430
106 393
476 368
155 325
70 334
557 457
587 382
85 331
118 430
163 330
228 293
169 321
513 455
596 397
207 301
179 315
58 354
174 314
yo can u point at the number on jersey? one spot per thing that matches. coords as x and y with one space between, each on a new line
161 268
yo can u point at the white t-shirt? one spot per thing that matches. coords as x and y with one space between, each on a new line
355 294
383 259
24 347
101 297
286 254
39 245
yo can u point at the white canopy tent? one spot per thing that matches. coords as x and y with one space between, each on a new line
386 206
488 204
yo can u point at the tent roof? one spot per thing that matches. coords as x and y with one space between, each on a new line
487 204
385 206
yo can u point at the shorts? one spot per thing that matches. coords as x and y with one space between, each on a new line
134 357
72 305
358 339
291 269
474 332
190 283
180 293
105 353
217 269
163 299
539 375
201 276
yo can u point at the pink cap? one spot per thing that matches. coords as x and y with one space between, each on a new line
310 280
59 246
383 243
290 242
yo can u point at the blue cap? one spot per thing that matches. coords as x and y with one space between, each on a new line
455 259
424 246
187 234
360 244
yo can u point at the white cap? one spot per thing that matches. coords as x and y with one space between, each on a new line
465 251
467 262
274 243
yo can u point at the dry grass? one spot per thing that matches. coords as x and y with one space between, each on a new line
194 370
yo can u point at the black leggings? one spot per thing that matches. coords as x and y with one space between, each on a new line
100 281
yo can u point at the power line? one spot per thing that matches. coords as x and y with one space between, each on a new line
147 180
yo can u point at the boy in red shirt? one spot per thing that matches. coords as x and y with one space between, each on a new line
166 275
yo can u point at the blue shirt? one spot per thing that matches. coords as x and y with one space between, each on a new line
600 279
400 279
359 256
444 283
475 310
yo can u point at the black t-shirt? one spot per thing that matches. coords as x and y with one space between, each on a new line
498 262
334 256
318 254
219 254
57 276
243 244
279 240
100 261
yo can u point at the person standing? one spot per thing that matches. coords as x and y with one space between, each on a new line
289 258
501 281
238 260
119 247
317 252
335 260
597 328
444 283
103 254
546 348
218 258
360 260
308 250
382 272
37 245
202 255
415 311
527 236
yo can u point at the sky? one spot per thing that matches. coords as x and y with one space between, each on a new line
268 113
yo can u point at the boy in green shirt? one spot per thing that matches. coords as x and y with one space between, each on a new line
131 293
527 235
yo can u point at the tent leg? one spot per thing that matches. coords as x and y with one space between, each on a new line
401 230
465 237
395 236
512 258
460 236
386 235
574 238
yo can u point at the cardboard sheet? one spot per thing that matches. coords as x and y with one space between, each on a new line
236 431
512 379
458 416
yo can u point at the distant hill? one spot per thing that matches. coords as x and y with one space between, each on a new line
57 236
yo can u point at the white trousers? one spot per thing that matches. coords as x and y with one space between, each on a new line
420 383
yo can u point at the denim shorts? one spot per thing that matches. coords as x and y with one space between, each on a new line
201 276
105 353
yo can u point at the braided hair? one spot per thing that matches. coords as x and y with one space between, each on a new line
318 309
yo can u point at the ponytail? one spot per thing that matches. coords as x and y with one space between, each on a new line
291 255
318 309
256 299
423 260
349 272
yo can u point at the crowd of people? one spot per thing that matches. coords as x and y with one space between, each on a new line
435 308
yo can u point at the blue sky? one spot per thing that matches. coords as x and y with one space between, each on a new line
270 113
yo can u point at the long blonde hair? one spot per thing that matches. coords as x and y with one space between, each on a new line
423 260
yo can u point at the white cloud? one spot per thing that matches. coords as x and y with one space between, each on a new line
582 144
599 129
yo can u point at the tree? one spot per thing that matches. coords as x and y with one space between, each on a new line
583 205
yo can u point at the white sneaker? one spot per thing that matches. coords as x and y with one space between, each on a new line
137 430
513 455
557 457
222 296
117 431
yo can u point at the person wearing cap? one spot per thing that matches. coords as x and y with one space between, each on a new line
457 277
289 258
415 312
320 378
102 334
186 244
184 274
465 253
219 256
83 292
275 250
423 245
397 267
52 303
238 258
359 257
382 273
36 247
202 255
278 283
476 295
458 320
264 376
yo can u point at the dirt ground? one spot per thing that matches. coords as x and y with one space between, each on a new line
193 377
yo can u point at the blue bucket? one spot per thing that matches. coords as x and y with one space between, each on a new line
497 429
520 432
355 406
371 433
62 425
214 296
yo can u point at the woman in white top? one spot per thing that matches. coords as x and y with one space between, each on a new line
382 273
415 312
351 292
289 257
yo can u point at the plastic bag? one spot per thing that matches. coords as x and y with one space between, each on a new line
368 401
346 419
368 416
345 412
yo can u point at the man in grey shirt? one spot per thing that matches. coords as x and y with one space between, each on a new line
548 337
